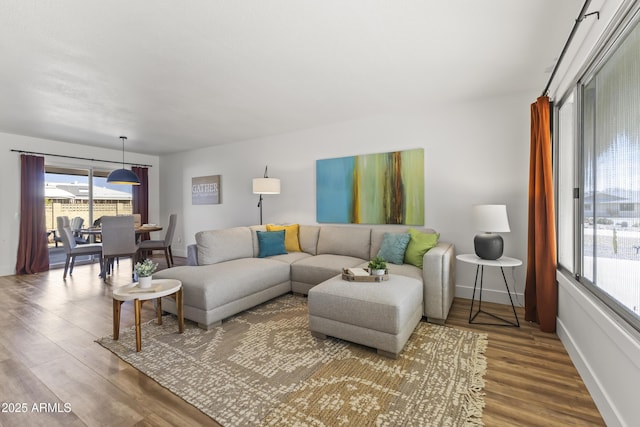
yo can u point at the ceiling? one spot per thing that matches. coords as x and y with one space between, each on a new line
179 75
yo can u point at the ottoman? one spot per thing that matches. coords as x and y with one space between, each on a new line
381 315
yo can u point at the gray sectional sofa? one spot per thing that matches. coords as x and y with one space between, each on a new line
225 276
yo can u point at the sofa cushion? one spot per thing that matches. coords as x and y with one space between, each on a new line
308 236
418 245
345 240
271 243
254 237
407 270
393 247
291 257
291 241
216 246
377 234
316 269
209 286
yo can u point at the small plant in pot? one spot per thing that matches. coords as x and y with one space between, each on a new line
377 266
144 270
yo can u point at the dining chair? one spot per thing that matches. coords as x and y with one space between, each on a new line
76 226
71 247
76 223
118 240
162 245
57 238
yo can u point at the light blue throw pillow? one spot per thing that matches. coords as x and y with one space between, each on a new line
271 243
393 247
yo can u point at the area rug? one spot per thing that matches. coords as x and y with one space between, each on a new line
263 367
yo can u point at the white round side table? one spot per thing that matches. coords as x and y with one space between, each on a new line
480 264
159 288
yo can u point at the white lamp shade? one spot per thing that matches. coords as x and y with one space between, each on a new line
266 186
490 218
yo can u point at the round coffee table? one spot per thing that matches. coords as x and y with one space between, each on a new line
159 288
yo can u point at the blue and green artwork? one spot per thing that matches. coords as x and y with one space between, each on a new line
385 188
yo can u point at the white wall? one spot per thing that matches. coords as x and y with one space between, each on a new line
605 351
10 183
474 153
603 348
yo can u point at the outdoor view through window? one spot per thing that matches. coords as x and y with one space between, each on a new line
611 175
69 194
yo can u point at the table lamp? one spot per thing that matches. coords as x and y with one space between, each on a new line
265 185
490 219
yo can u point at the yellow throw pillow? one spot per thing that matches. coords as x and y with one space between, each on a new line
291 241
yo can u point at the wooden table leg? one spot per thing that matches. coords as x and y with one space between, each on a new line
137 307
116 318
179 304
159 310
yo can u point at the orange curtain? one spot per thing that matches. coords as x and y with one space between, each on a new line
541 290
33 248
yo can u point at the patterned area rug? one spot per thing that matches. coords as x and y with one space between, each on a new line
263 367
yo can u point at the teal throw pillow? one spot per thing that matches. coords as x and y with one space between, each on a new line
418 245
271 243
393 247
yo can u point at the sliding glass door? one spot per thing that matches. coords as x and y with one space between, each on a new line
82 194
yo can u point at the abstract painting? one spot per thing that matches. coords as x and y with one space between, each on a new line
384 188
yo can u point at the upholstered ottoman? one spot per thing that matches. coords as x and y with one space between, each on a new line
381 315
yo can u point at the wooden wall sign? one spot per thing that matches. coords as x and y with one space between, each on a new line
205 190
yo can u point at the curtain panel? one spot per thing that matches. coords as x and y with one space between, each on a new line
33 248
140 195
541 290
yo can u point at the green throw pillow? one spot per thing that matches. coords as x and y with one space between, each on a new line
418 245
271 243
393 247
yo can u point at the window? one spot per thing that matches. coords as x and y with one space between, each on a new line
82 193
599 231
566 184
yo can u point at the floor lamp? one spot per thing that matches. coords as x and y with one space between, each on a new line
265 185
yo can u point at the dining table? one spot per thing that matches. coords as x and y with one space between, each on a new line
139 230
147 228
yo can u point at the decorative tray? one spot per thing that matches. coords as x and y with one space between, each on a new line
362 275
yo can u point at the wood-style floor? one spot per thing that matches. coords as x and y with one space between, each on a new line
52 373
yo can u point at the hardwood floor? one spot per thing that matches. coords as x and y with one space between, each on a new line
530 378
55 374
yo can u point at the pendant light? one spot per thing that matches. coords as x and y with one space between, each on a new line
123 176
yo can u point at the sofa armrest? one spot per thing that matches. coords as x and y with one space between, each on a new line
438 275
192 254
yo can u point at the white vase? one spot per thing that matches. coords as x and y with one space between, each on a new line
144 282
377 272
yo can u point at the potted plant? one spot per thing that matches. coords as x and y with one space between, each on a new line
144 270
377 266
